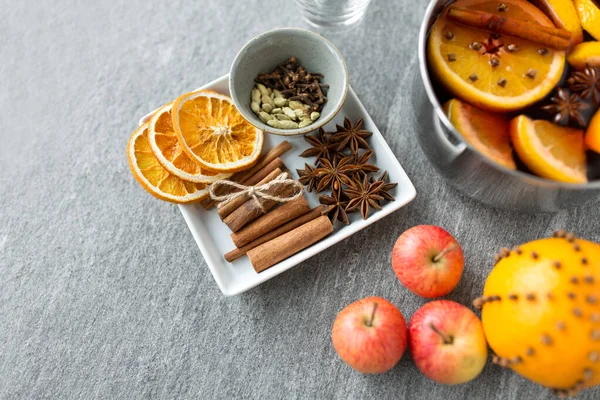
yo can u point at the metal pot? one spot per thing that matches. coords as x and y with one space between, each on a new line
466 168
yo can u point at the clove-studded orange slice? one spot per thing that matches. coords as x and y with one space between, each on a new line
154 177
169 150
490 71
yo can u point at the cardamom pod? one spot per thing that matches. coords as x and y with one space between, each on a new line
267 100
277 93
270 91
305 123
267 108
295 105
276 111
264 117
263 89
279 101
275 123
288 125
299 113
315 115
256 95
289 112
282 117
272 96
255 107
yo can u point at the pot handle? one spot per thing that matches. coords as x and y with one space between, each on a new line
454 150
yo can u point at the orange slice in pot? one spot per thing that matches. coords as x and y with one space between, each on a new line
564 15
485 131
549 150
589 15
496 73
169 151
587 53
213 133
153 177
592 135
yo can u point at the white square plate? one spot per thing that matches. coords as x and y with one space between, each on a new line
213 236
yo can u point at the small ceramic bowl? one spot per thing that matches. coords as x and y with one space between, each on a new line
266 51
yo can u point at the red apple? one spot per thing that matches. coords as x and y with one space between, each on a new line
370 335
428 260
447 342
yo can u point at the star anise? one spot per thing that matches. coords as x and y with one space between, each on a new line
336 206
364 195
336 155
351 136
308 177
567 107
321 146
335 173
386 187
362 162
587 84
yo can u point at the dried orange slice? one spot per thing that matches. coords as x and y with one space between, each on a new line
169 151
587 53
213 133
592 135
589 16
485 131
549 150
564 16
154 177
500 73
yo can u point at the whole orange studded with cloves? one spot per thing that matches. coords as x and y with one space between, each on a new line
541 312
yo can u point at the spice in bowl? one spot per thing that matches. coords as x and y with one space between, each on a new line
289 97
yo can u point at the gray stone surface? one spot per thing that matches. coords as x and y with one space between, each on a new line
103 292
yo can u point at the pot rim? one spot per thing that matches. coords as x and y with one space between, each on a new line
437 107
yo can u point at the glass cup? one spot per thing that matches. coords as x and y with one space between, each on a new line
333 13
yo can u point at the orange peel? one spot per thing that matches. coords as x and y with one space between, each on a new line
549 150
485 131
585 54
589 16
592 135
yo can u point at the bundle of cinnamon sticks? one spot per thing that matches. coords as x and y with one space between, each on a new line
269 232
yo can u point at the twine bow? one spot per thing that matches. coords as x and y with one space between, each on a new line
257 193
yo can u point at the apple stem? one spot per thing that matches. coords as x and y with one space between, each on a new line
370 323
444 252
445 338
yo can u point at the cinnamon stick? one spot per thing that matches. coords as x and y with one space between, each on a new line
260 178
263 161
264 171
547 36
250 210
279 216
293 224
270 253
